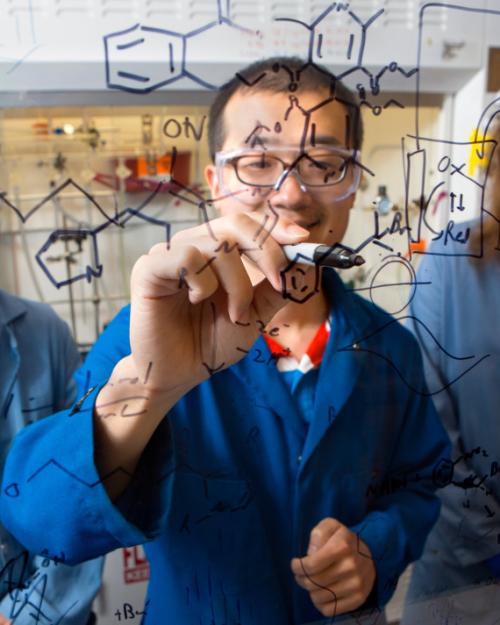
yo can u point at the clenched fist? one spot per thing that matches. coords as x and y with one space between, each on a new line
338 571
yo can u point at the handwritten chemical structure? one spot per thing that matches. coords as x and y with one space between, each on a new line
124 50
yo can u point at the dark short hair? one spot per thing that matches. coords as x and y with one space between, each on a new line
284 75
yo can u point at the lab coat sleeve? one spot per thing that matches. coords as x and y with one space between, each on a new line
53 500
401 517
54 593
477 538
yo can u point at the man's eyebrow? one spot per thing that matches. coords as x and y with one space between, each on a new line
255 138
326 140
261 139
273 140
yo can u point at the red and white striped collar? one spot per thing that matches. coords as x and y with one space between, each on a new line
313 354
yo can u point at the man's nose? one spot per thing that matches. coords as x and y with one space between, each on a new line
290 189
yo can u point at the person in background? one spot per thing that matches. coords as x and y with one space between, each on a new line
457 578
37 360
263 498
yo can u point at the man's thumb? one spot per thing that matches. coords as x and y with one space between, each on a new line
267 301
321 534
316 541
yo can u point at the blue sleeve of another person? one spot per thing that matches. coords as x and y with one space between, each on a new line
39 357
37 476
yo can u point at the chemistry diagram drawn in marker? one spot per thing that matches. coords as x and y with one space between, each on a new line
138 42
131 55
362 346
128 54
355 47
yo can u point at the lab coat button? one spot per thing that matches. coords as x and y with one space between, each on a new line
299 459
4 550
355 345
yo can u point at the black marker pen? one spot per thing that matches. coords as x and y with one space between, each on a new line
323 255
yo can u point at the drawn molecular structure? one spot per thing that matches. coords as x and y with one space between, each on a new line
129 53
88 239
125 49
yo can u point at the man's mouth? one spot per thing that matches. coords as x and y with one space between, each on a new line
313 224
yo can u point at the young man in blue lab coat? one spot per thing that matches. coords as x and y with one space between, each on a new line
37 359
259 472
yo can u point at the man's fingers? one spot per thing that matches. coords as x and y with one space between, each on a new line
258 238
207 257
342 588
335 574
333 539
235 281
260 245
281 229
336 569
197 268
324 596
321 534
267 301
161 274
257 227
337 598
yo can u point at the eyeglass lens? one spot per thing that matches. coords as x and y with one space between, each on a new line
263 169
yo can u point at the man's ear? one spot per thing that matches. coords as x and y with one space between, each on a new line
212 180
353 199
361 187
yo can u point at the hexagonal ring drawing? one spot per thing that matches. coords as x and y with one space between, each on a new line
130 57
294 287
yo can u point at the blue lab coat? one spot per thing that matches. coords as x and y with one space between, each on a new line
233 480
37 360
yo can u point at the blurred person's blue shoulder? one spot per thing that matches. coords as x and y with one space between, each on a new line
13 307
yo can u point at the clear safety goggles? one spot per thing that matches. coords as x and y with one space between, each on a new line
254 172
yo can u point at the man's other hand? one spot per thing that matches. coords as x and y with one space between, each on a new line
338 570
